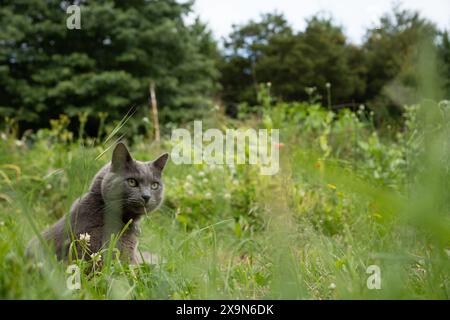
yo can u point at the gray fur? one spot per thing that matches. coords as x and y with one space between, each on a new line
109 204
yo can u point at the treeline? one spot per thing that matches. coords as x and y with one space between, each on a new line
107 66
320 64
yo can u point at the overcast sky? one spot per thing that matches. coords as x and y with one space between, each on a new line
354 15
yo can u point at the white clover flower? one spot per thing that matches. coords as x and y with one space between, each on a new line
201 174
208 195
85 237
227 196
332 286
19 143
189 178
96 257
187 185
444 104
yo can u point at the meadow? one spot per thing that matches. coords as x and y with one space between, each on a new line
351 193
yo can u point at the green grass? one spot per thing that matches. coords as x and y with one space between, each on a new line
348 196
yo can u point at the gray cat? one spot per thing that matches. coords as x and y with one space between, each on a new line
122 190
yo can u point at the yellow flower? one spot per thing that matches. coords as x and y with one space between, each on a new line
377 216
331 186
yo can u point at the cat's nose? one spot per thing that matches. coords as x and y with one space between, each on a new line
146 197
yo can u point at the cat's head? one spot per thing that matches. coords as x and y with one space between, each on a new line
134 187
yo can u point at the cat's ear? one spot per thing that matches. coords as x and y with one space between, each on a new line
120 157
160 163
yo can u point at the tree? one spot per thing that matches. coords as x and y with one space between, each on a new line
47 69
269 51
247 44
392 50
315 58
444 55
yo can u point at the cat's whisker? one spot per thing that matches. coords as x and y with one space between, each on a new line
146 213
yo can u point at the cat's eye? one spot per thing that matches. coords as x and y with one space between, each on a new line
155 185
132 182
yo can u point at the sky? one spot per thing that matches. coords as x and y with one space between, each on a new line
354 15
